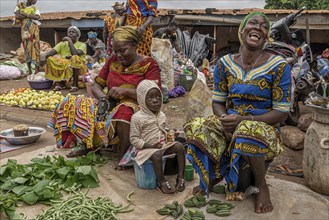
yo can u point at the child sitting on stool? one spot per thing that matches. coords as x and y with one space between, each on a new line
149 137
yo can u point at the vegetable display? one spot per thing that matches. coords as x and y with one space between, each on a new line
44 179
81 206
30 98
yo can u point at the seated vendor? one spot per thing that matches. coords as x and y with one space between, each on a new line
72 61
97 46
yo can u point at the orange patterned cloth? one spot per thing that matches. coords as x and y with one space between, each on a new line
143 47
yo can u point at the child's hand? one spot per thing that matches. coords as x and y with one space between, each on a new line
157 145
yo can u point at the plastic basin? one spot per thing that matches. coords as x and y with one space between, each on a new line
41 84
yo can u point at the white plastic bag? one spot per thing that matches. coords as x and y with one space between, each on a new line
162 52
199 100
9 72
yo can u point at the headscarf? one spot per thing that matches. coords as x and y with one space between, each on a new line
92 34
246 19
142 89
76 29
117 6
126 33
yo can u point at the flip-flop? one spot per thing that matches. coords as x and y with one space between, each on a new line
74 89
58 88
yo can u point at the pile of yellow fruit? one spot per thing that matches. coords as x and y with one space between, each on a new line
30 98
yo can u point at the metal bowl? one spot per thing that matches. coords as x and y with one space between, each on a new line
34 135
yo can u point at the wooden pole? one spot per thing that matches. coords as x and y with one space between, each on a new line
214 47
56 37
308 36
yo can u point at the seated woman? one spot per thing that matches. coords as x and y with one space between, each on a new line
251 97
72 61
88 120
97 46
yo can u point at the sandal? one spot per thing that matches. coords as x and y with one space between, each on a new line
180 184
74 89
58 88
166 185
78 151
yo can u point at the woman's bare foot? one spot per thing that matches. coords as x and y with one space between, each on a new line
212 183
263 201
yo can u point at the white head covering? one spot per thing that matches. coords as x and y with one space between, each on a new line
76 29
142 89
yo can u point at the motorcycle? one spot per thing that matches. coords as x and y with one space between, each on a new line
291 46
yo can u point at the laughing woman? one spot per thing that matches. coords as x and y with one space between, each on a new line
141 13
251 97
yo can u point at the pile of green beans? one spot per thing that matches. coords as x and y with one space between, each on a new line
80 206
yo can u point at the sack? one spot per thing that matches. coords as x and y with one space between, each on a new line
199 100
9 72
161 51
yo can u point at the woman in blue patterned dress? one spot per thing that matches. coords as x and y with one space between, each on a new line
251 97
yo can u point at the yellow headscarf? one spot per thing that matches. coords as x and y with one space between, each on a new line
126 33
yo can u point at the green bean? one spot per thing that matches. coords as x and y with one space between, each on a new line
129 195
80 206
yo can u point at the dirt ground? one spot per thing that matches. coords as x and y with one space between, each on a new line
176 111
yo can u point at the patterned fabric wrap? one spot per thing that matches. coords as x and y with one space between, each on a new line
143 47
31 43
58 69
76 115
251 138
211 161
142 8
257 92
207 143
111 24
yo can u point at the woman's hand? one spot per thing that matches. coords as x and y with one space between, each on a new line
117 92
230 122
67 39
157 145
42 59
141 30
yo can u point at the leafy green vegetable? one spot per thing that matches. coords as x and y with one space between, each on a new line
43 179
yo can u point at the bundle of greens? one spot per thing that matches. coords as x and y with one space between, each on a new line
44 179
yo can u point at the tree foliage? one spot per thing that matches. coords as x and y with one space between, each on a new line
297 4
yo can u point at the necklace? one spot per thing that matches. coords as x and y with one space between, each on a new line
244 69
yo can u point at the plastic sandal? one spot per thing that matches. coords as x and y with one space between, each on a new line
165 184
180 184
74 89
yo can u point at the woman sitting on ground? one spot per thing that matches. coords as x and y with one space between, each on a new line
251 97
97 46
72 61
96 126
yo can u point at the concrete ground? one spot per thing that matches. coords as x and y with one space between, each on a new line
291 198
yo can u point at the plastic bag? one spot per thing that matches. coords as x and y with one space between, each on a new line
9 72
162 52
199 100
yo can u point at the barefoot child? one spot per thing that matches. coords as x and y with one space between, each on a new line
148 136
